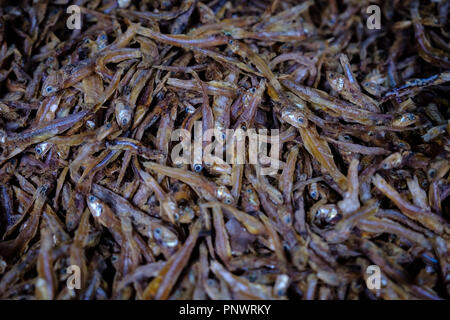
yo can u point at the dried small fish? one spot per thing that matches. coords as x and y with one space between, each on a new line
311 148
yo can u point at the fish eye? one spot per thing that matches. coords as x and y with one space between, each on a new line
300 119
249 190
252 90
198 167
49 89
91 198
313 194
228 201
331 75
86 40
103 37
230 41
158 231
287 219
125 121
432 173
108 125
385 165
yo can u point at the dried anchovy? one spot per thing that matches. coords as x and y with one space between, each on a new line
88 181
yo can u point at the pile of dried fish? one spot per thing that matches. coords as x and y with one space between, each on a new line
94 207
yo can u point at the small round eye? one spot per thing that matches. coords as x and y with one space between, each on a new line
198 167
300 120
331 75
252 90
346 138
313 194
49 89
103 37
91 198
108 125
157 231
432 173
86 40
287 219
249 190
90 124
230 41
176 216
38 150
252 278
228 201
385 166
125 121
